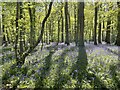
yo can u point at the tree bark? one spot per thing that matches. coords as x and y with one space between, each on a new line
75 25
50 30
81 22
108 32
95 24
16 39
118 26
58 30
21 32
103 39
62 27
41 34
66 24
32 26
4 41
99 33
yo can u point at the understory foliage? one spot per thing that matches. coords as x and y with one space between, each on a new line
60 67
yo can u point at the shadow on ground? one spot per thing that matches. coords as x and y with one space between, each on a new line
62 79
78 70
80 73
45 71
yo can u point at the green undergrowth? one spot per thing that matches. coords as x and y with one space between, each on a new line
60 68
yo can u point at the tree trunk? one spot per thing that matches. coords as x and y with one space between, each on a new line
118 26
46 27
41 34
50 30
66 24
99 33
16 39
81 22
75 25
34 38
58 30
69 27
24 39
32 32
4 41
108 32
62 27
95 24
8 39
103 39
21 33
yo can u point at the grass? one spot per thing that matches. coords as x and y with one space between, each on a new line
64 68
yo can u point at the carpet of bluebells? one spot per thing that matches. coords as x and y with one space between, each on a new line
60 66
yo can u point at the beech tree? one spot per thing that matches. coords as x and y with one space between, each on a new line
118 25
62 26
40 36
95 24
99 31
16 38
81 23
66 24
32 25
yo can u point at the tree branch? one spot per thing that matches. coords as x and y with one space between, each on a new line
41 34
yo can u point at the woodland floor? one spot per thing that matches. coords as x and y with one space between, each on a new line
61 66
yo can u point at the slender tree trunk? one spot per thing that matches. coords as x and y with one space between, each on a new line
58 30
103 39
99 33
31 27
75 25
78 26
95 24
24 40
81 22
50 30
46 33
108 32
8 39
34 37
69 27
21 33
4 41
41 34
43 38
16 39
32 32
66 24
90 36
118 26
46 26
62 27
